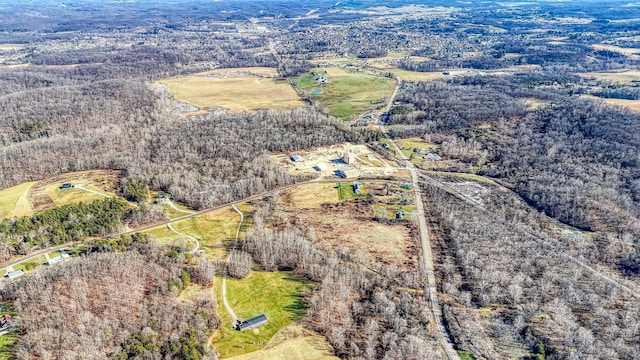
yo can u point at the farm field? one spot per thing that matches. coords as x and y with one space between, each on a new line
310 196
633 105
10 47
347 93
35 197
350 224
624 76
14 201
278 295
416 75
631 52
237 90
293 342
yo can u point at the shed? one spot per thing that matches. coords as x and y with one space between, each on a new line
321 167
66 186
357 188
347 173
433 157
296 158
252 323
14 274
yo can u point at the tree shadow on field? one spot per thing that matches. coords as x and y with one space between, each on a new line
299 307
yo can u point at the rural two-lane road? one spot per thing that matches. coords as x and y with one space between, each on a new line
427 256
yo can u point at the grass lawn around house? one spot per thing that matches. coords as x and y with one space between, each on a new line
279 295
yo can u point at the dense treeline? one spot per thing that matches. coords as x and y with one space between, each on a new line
201 161
501 255
63 224
363 313
92 307
73 222
576 160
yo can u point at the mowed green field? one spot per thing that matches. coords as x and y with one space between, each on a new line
348 93
278 295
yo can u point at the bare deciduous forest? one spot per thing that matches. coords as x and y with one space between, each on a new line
532 105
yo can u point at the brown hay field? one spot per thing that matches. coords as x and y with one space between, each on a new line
238 90
623 76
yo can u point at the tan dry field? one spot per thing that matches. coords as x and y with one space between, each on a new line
238 90
293 342
633 105
239 72
10 47
631 52
310 196
335 71
350 225
534 104
367 162
417 76
35 197
14 201
623 76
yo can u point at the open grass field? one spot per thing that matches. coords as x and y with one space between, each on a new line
10 47
465 355
347 93
278 295
407 146
163 235
618 49
35 197
311 196
14 201
346 192
351 225
624 76
6 345
213 229
237 90
31 264
293 342
633 105
416 76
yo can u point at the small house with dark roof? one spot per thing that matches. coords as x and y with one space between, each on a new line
254 322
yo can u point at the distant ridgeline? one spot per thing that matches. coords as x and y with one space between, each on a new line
64 224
